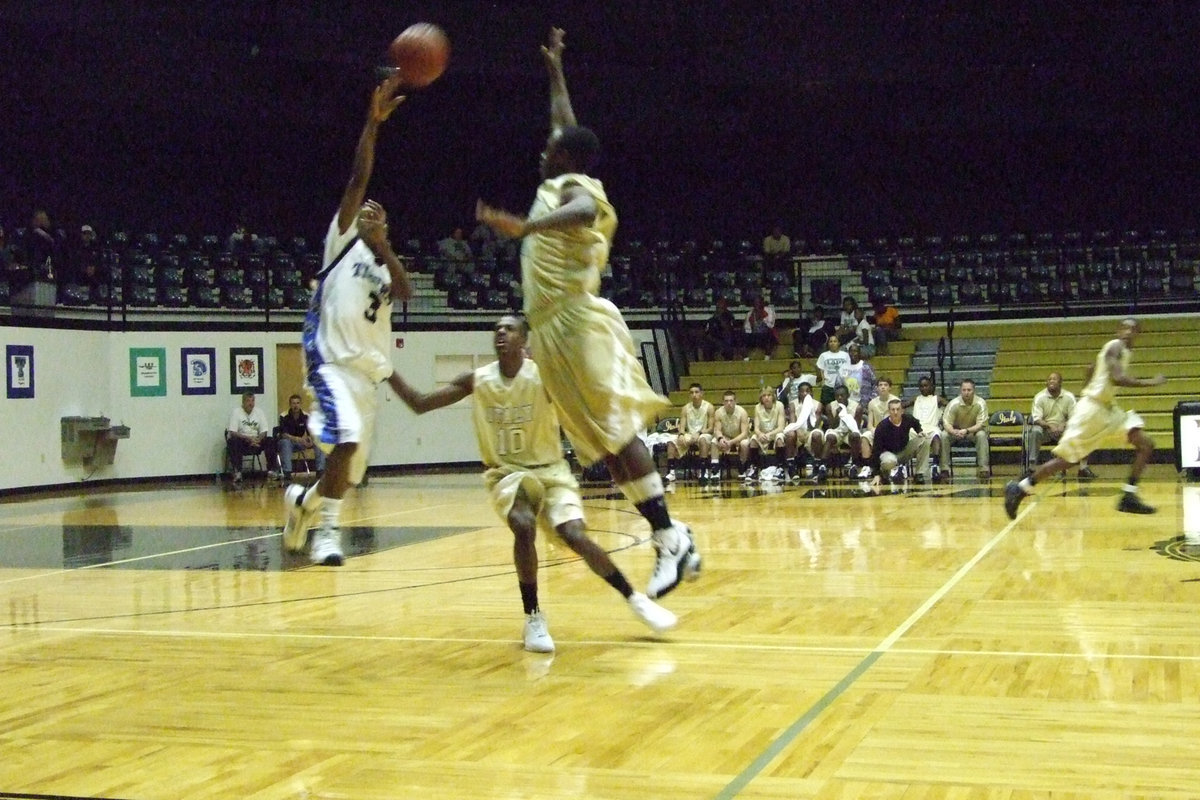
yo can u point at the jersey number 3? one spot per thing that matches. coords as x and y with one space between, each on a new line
373 310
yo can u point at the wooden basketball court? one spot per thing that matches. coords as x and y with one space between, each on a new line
908 645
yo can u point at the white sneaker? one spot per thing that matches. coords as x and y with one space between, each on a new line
864 473
670 476
677 560
537 635
327 547
768 475
748 475
295 529
658 618
714 474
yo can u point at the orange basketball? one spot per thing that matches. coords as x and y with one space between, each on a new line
420 52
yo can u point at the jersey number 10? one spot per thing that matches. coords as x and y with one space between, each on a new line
510 441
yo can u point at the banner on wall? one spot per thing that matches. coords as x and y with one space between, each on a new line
19 369
245 370
197 367
147 375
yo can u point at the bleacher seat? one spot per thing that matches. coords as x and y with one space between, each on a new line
74 294
912 295
940 295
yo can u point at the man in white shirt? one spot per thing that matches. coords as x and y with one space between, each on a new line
1052 408
248 434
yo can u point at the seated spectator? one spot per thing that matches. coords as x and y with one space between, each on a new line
864 335
887 325
484 241
812 334
455 247
731 433
88 266
829 365
768 437
928 408
803 432
695 430
777 245
843 431
294 435
964 420
720 334
847 323
1052 407
241 241
759 328
789 390
896 444
248 434
876 413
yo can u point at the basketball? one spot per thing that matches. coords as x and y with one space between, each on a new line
420 52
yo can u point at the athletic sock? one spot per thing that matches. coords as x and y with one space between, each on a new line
529 597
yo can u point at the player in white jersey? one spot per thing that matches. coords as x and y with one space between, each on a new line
347 344
580 340
529 480
695 430
928 408
1098 419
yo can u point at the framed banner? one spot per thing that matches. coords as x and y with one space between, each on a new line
19 369
245 370
147 372
197 370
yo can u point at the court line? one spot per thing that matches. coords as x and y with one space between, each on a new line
789 735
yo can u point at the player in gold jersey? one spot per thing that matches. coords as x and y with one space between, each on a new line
1097 419
529 480
579 339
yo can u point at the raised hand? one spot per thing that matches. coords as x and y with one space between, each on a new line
372 224
384 99
553 49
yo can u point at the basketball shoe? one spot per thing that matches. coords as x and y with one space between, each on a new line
327 547
1013 495
658 618
676 559
1130 503
537 634
295 530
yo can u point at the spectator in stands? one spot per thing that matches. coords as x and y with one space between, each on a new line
803 431
928 408
843 426
965 419
777 245
877 411
720 335
847 323
241 241
813 334
88 266
768 437
887 325
1052 408
864 335
484 241
294 435
248 433
731 433
896 444
830 364
41 256
759 328
6 254
857 376
789 390
695 430
455 247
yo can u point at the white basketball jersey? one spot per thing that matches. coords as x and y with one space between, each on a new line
349 320
695 420
925 410
514 420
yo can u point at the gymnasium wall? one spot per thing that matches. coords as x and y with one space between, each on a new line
87 373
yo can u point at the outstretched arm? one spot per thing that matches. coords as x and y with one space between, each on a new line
420 402
561 114
383 102
578 208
